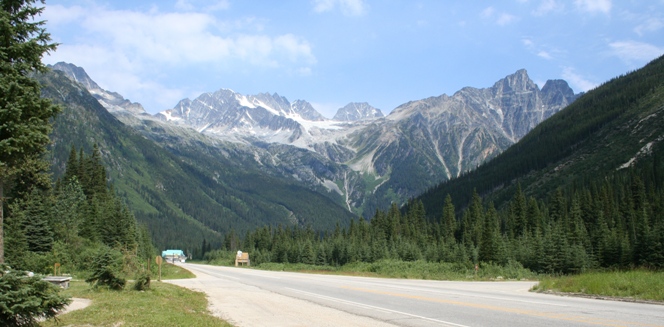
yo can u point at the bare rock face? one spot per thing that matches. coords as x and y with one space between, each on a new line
113 102
356 111
367 159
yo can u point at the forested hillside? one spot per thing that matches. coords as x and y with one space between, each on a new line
185 193
607 129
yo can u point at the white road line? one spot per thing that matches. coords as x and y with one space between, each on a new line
357 304
466 295
216 273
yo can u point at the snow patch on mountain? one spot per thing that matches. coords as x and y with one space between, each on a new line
331 186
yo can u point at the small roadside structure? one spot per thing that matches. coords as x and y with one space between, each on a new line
173 256
242 258
56 279
61 281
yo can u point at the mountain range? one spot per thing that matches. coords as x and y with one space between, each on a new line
601 136
182 186
360 159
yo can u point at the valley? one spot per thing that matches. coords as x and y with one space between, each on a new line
360 160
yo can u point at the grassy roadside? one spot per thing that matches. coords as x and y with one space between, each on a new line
413 270
635 284
162 305
639 285
171 271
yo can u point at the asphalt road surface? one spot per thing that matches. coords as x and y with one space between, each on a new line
247 297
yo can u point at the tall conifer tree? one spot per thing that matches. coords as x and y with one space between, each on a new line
24 115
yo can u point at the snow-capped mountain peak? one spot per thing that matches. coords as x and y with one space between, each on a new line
356 111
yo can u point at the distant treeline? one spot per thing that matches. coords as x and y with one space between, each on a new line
615 223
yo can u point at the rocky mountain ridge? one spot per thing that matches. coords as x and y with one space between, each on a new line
355 111
367 160
112 101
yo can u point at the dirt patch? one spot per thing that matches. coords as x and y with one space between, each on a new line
76 304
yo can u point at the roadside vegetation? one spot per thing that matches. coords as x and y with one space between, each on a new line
640 285
161 305
391 268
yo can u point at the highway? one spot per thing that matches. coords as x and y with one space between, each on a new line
248 297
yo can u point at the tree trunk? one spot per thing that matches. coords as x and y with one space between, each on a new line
2 231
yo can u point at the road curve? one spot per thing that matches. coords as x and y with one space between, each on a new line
247 297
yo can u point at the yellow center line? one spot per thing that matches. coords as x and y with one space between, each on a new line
559 316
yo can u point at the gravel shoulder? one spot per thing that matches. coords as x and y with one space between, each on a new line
244 305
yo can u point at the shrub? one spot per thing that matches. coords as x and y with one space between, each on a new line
24 299
104 270
142 282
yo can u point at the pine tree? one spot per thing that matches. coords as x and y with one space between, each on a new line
66 213
535 219
24 114
448 222
27 299
308 255
71 168
15 238
37 230
490 243
518 211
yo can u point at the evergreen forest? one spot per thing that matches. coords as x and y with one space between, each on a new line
616 224
73 223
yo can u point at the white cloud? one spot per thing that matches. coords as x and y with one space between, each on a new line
528 42
184 5
594 6
348 7
501 19
633 52
218 5
189 5
576 80
505 19
545 55
115 71
547 6
128 50
650 25
487 12
176 38
58 14
543 51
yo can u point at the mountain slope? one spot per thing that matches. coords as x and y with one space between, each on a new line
184 192
605 130
355 111
362 163
424 142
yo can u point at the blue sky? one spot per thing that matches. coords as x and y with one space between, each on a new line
332 52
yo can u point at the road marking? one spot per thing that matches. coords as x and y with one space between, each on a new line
559 316
216 273
466 295
357 304
260 275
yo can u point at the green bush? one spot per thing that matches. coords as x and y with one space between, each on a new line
36 262
105 270
24 299
142 282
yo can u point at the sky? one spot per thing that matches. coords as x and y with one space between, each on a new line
333 52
